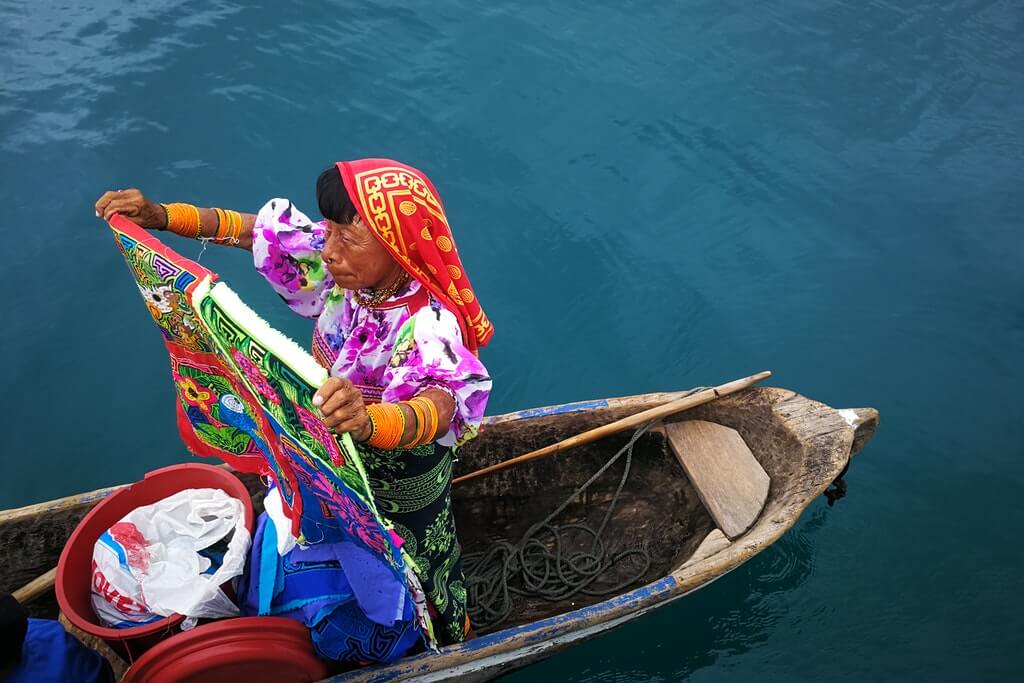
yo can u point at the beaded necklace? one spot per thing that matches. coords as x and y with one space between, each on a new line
379 296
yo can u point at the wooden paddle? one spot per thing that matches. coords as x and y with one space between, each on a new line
670 408
36 587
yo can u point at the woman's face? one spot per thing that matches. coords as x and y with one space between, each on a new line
355 258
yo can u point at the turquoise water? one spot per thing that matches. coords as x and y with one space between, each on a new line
648 196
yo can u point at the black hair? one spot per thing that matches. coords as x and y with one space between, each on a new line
13 627
334 201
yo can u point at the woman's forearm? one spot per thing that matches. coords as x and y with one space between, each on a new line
224 227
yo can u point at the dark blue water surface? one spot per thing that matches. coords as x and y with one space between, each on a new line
649 196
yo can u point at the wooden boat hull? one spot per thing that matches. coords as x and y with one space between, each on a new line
803 445
816 441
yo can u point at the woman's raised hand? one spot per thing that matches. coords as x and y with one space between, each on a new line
134 206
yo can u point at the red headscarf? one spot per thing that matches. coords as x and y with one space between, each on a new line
404 212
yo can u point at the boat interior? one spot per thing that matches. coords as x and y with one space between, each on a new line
658 508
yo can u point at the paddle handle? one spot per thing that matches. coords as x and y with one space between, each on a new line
635 420
36 587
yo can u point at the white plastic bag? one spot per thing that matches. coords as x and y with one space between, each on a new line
161 559
282 525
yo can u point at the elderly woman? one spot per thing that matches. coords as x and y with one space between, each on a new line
397 325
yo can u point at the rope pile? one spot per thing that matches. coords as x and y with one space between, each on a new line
542 565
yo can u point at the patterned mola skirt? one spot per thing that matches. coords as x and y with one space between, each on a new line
412 489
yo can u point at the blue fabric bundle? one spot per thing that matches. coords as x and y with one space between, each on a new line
310 585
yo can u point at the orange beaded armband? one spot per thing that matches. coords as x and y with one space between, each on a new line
387 424
236 226
229 226
426 421
421 424
431 431
183 219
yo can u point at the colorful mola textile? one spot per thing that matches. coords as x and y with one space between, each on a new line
245 395
207 424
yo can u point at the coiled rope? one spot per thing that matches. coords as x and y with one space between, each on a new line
540 565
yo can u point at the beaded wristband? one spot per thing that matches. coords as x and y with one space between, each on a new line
229 226
234 229
426 421
219 213
431 410
421 424
387 422
183 219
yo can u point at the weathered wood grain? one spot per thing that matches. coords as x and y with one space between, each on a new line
729 480
713 543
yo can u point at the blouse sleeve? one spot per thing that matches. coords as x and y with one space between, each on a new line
286 248
429 353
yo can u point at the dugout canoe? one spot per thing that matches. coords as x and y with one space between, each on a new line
801 444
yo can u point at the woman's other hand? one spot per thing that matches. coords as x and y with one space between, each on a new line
134 206
341 404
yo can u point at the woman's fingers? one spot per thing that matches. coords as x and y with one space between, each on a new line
349 422
346 413
103 201
124 207
126 202
326 392
337 393
342 406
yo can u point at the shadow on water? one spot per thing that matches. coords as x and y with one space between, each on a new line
733 615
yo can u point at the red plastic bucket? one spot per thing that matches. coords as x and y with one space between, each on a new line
74 570
249 649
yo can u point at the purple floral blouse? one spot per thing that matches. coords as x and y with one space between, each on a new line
393 352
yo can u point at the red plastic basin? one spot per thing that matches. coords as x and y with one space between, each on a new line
74 570
249 649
